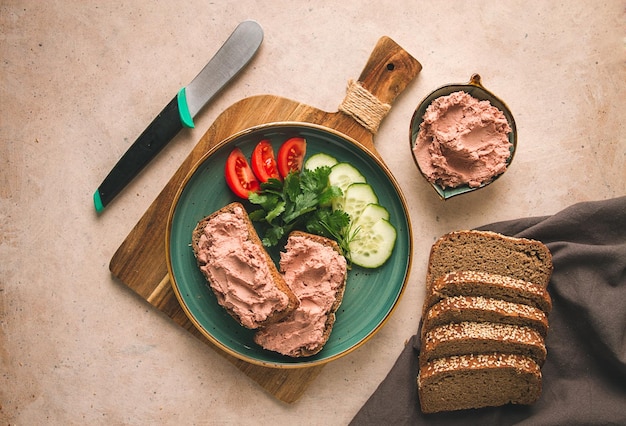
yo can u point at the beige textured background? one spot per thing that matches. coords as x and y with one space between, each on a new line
79 80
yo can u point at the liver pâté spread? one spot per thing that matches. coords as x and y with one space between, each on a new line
462 140
237 269
316 273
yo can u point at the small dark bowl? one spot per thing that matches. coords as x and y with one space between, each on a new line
474 88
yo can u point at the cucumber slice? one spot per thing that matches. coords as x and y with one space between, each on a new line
343 175
371 214
370 248
356 197
319 160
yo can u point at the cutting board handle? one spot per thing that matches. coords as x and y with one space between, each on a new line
387 73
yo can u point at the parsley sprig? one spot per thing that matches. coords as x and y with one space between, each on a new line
301 202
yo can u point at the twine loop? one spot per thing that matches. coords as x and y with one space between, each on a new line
363 106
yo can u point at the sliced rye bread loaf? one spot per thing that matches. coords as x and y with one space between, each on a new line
482 309
486 251
316 271
477 283
484 321
476 381
468 337
226 245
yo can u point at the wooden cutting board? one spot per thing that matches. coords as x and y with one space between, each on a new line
140 261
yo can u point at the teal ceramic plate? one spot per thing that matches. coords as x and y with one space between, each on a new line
370 295
475 88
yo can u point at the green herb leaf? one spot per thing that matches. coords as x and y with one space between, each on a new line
291 187
302 201
329 193
276 211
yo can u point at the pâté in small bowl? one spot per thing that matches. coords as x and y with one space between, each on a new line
463 138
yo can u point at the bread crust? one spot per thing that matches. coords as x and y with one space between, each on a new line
470 337
483 309
477 283
253 237
477 381
528 256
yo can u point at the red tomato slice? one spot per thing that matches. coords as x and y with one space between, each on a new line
291 155
263 162
239 176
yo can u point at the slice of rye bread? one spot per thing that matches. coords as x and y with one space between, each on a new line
476 283
342 287
469 337
276 279
486 251
482 309
476 381
294 344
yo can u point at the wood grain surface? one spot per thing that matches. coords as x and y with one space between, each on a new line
140 261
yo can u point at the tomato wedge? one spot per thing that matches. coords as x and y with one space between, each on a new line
263 162
239 176
291 155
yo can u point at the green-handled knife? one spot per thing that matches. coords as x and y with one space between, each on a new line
231 58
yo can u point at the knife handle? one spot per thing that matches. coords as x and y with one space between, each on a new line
162 130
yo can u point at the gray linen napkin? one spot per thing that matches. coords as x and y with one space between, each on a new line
584 377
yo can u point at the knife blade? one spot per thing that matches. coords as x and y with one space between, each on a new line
231 58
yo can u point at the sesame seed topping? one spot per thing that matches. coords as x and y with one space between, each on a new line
479 303
479 361
484 330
